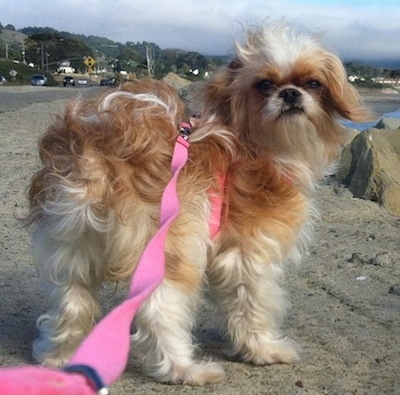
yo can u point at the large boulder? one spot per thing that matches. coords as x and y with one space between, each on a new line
388 123
346 156
370 165
184 88
176 82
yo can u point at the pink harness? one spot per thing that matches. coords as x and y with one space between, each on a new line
215 197
216 202
103 355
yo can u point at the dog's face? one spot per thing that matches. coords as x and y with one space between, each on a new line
284 92
298 93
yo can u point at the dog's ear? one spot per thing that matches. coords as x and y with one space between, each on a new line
343 97
235 64
217 92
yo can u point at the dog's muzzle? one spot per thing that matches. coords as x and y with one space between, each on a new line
291 100
290 95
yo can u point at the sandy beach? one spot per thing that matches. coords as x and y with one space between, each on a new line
345 297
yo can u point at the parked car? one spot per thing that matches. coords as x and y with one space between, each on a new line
69 81
39 79
108 82
2 79
83 81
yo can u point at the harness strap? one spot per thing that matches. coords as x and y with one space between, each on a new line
216 202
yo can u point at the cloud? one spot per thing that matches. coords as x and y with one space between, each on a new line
353 28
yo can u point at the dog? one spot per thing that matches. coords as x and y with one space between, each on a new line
267 127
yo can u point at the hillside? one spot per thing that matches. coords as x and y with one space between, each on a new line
12 36
45 48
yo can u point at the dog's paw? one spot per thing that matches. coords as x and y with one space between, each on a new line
49 350
50 358
270 352
197 374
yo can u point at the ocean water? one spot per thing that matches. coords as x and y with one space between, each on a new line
382 109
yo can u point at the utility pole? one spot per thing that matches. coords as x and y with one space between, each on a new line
23 53
150 55
42 53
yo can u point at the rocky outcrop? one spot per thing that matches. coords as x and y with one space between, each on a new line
176 82
346 156
370 165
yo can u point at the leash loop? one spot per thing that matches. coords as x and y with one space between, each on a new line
184 130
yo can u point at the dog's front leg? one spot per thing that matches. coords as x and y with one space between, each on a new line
252 305
70 285
164 325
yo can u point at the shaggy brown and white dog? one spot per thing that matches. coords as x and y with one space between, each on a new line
268 127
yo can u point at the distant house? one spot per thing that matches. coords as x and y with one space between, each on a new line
65 68
354 78
386 81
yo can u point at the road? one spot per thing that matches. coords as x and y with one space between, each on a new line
14 97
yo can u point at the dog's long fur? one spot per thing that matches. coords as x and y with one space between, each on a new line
267 123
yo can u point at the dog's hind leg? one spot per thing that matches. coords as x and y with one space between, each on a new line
70 285
252 306
164 326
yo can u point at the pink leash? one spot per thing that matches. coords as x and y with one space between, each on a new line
103 355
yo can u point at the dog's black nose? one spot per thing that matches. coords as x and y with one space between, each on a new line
290 95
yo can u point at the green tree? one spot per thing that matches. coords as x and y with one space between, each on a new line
2 49
49 49
128 59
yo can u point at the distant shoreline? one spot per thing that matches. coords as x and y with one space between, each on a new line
380 102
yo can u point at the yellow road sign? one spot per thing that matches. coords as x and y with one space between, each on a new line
89 62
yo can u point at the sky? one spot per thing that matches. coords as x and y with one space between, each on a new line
354 29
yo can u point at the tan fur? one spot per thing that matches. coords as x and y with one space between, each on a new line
95 203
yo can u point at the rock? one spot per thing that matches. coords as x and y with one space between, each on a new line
370 167
184 88
380 259
176 82
345 161
388 123
395 289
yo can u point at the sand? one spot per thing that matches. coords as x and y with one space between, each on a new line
345 296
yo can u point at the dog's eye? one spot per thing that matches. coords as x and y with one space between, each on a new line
313 84
264 85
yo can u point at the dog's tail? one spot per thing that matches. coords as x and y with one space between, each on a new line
104 150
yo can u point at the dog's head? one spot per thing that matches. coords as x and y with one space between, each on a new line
285 92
